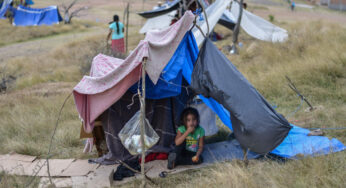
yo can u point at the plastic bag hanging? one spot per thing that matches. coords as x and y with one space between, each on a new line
130 135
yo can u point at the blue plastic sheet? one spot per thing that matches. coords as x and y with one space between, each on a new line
298 142
26 16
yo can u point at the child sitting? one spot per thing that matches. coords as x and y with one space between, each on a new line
189 141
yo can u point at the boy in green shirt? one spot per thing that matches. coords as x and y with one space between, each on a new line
189 141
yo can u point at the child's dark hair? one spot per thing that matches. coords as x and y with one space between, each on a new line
187 111
116 20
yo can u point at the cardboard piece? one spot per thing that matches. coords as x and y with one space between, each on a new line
56 167
79 168
18 157
97 179
58 182
13 167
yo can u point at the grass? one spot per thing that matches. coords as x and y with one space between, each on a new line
313 57
10 34
326 171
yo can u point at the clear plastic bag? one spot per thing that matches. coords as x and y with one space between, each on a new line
130 135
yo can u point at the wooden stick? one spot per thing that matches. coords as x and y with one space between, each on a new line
237 27
127 26
294 88
206 19
142 98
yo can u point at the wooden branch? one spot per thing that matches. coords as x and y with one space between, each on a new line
72 4
294 88
75 12
142 120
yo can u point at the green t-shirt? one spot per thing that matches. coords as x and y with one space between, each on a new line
193 138
115 35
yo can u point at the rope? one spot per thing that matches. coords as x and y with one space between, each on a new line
335 128
171 83
296 110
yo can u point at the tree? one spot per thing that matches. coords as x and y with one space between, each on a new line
69 13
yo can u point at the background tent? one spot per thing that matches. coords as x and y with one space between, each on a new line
165 8
256 26
3 7
160 20
26 16
253 25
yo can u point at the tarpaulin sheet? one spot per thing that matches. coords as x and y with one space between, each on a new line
298 142
26 16
256 26
158 23
168 7
214 12
169 83
226 21
255 123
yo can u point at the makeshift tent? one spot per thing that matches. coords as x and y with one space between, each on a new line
253 25
164 19
106 93
26 16
214 12
3 7
256 26
165 8
159 22
226 21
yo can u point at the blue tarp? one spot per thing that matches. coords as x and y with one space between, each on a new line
181 65
26 16
298 142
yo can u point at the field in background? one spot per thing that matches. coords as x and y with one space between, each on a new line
10 34
314 57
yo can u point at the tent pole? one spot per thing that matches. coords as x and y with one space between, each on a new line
206 19
127 26
142 99
234 49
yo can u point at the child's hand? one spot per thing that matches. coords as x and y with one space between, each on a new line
190 129
195 159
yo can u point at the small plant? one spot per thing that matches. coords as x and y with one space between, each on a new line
271 18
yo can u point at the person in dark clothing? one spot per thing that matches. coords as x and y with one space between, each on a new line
189 141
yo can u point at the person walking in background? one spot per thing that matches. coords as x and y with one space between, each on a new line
26 3
116 29
293 5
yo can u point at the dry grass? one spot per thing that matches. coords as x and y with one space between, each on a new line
327 171
10 34
314 58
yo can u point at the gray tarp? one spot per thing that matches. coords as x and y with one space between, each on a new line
255 123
